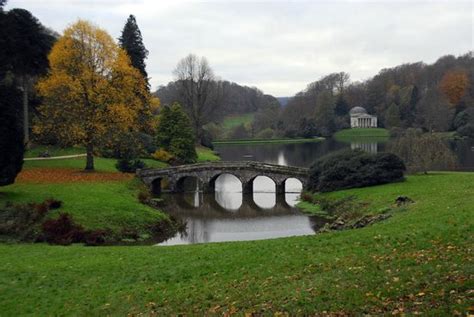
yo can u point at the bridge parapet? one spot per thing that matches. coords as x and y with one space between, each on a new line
207 173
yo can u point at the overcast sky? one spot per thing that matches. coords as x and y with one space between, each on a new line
277 46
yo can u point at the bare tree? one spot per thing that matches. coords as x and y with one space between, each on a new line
201 94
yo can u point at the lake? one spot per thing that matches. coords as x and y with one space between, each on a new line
228 215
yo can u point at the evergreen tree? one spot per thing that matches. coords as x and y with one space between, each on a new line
132 42
392 116
25 46
11 132
175 134
342 107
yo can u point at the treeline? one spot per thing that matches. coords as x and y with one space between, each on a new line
230 98
436 97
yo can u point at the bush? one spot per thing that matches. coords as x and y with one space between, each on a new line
422 152
129 166
467 131
354 168
95 237
53 203
267 133
239 132
62 231
183 150
206 139
162 155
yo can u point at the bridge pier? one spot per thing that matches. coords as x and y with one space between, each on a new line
247 187
280 188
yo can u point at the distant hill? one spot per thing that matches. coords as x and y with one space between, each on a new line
283 100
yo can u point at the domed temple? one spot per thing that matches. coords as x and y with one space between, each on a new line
361 119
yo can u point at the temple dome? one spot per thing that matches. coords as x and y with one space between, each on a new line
357 110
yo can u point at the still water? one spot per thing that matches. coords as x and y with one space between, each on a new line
228 215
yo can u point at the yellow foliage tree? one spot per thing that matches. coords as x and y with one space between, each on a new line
91 91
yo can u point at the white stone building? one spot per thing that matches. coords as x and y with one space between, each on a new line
361 119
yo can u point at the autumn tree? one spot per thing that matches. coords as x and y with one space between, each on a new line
91 90
454 85
132 42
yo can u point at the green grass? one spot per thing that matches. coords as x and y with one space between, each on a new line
36 150
101 164
233 121
362 135
268 141
419 260
206 154
95 205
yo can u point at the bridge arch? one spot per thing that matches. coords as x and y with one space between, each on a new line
293 185
211 186
188 183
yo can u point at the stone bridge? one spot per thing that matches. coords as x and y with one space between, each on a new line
207 173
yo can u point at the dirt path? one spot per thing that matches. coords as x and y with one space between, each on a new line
54 157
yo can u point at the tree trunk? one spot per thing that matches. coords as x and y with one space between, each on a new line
26 130
90 157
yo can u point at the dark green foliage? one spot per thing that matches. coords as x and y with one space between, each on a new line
126 165
206 139
467 130
11 134
19 221
175 135
342 107
25 43
239 132
354 168
132 42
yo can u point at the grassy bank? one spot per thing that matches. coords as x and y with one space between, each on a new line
420 260
362 135
268 141
233 121
206 154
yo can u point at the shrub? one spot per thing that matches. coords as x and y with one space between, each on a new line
422 152
95 237
239 132
53 203
206 139
354 168
162 155
267 133
183 150
129 166
62 231
467 131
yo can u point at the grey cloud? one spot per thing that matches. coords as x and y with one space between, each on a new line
278 46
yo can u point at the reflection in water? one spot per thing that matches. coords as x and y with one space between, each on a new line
264 200
233 216
304 154
228 215
370 147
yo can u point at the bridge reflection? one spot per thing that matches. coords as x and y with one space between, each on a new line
233 216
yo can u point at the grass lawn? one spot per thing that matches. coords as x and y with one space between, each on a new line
206 154
420 260
268 141
93 204
36 150
362 135
101 164
233 121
